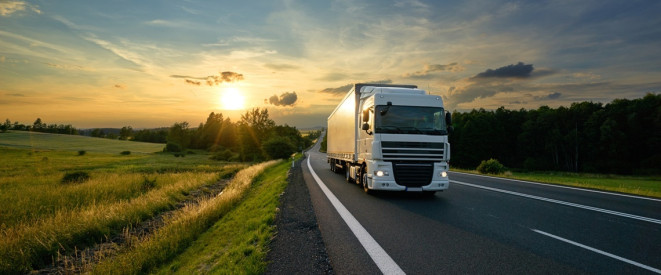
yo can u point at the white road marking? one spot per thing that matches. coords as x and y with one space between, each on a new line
385 263
600 251
563 203
565 187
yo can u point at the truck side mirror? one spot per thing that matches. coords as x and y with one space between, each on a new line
366 116
448 119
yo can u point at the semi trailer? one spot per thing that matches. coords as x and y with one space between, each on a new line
390 137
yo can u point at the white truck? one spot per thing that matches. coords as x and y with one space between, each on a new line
390 137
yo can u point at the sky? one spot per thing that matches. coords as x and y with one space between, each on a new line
153 63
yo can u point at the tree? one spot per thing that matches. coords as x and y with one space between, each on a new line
180 135
5 126
126 133
38 126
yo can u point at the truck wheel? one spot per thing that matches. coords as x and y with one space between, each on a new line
364 182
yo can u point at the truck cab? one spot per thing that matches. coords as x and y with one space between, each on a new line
401 140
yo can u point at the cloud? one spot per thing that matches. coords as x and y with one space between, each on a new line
67 67
222 77
345 88
506 79
550 96
281 67
9 7
427 69
193 82
285 99
333 77
519 70
120 86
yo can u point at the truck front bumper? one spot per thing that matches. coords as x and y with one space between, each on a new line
380 176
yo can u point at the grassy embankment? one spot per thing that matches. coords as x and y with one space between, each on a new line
240 228
649 186
40 216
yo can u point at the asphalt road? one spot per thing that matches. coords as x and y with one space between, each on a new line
510 227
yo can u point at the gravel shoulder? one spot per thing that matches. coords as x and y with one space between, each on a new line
298 247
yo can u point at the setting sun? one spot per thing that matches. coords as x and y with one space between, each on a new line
232 99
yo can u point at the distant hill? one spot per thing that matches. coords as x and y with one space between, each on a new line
44 141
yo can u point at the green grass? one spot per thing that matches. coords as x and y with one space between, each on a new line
636 185
237 243
40 216
39 141
189 223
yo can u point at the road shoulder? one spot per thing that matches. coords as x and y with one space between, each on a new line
298 247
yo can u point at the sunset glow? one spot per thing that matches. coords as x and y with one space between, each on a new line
299 58
232 99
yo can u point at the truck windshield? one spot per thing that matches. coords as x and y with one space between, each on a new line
409 120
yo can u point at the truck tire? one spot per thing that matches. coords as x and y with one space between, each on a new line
347 171
364 183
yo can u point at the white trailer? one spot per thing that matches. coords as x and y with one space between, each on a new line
390 137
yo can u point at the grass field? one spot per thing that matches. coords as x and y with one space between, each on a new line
44 141
637 185
41 216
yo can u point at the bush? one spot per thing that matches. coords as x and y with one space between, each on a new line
81 152
125 153
172 147
491 166
225 155
75 177
278 148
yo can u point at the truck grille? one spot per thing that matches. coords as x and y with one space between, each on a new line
413 151
413 174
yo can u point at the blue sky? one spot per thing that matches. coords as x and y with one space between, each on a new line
153 63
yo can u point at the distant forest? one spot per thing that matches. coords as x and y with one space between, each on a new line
621 137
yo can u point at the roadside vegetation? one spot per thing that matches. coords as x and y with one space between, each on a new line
649 186
621 137
185 225
54 203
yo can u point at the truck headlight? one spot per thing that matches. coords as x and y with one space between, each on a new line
444 174
381 173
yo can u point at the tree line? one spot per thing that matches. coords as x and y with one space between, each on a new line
253 138
39 126
621 137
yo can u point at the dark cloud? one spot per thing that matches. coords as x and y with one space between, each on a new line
344 89
285 99
519 70
212 80
550 96
428 69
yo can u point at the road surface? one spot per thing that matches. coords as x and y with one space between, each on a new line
483 225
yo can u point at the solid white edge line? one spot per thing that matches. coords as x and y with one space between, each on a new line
631 216
382 260
562 186
599 251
